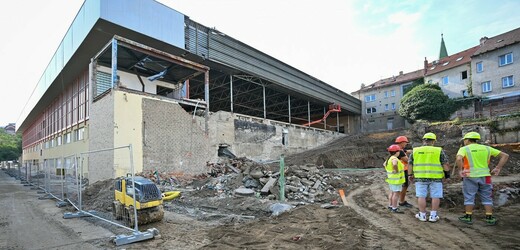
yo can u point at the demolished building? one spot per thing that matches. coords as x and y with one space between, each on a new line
142 74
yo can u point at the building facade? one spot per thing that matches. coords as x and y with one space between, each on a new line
142 74
381 100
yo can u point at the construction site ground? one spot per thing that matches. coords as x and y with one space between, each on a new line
210 215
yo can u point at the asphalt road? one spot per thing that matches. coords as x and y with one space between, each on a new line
29 223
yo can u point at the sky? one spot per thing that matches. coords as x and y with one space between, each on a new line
344 43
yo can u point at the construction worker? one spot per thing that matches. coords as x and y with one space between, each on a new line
395 176
402 141
427 166
473 159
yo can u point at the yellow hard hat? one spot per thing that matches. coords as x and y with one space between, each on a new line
472 135
430 136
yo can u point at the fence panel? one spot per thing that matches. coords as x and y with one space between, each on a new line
109 162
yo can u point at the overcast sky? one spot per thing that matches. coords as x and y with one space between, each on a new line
343 43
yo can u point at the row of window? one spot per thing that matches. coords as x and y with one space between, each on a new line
387 108
76 135
372 97
502 61
507 82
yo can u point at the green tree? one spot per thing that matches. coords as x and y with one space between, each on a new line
426 102
10 146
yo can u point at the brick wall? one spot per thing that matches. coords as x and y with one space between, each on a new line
101 136
172 141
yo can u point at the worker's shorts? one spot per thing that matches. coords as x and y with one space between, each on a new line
480 185
422 187
395 187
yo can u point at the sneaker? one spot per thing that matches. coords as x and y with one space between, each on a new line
466 219
405 204
389 207
491 220
396 211
421 218
433 219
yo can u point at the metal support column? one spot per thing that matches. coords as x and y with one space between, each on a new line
337 122
113 80
231 91
325 120
263 93
206 98
289 108
309 113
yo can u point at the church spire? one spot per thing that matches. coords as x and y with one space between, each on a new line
443 53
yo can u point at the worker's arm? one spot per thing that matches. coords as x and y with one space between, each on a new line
460 164
394 164
503 159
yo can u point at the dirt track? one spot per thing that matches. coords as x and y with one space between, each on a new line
363 224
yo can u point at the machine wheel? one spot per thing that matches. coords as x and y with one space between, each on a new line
129 216
117 210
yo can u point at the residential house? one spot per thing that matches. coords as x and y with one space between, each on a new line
451 73
380 101
10 128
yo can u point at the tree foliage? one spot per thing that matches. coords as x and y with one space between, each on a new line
426 102
10 146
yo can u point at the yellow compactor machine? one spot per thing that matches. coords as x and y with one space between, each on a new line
148 201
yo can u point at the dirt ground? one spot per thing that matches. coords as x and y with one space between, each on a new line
211 215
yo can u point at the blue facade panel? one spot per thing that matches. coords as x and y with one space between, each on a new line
144 16
147 17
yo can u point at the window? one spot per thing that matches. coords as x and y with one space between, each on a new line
393 106
66 138
386 94
78 134
392 93
370 98
480 67
505 59
58 141
460 58
486 87
465 93
507 82
371 110
464 75
445 80
386 107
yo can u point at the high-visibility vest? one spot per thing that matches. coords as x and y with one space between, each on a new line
427 162
478 157
397 178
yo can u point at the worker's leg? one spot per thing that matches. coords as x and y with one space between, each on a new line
421 190
436 195
402 198
486 196
469 189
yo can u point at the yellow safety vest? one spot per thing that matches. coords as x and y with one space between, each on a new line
397 178
427 163
478 157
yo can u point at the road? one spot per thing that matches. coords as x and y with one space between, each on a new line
29 223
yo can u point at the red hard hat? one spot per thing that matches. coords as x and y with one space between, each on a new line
394 148
400 139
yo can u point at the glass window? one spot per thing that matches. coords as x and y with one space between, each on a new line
445 80
393 106
79 134
505 59
67 138
480 67
392 93
386 94
486 87
507 82
370 98
464 75
58 140
465 93
386 107
371 110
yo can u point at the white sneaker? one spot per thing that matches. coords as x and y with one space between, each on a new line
421 218
433 218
